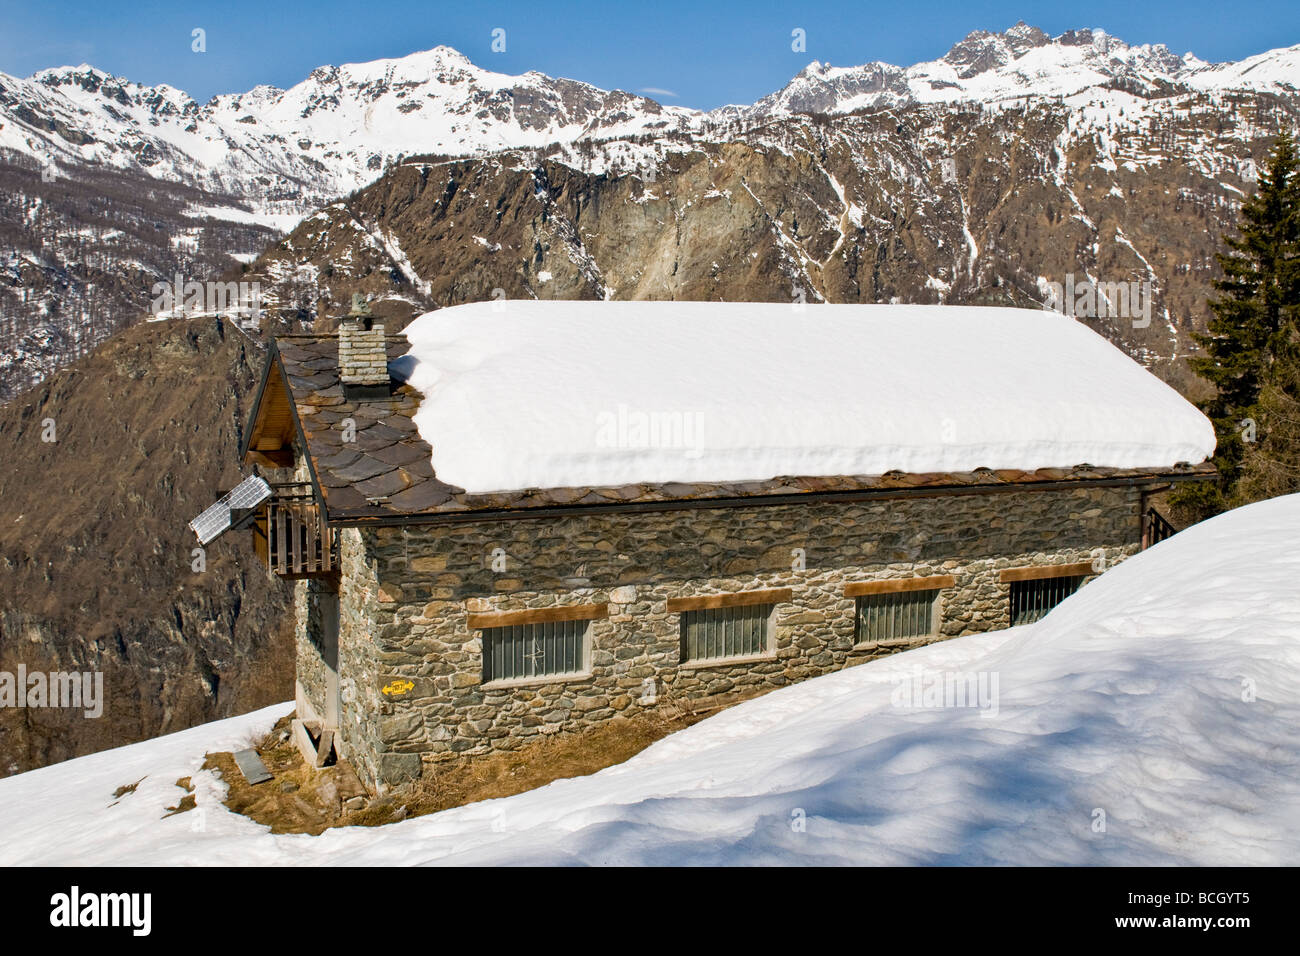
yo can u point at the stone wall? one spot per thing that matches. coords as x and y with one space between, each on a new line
412 667
359 731
359 734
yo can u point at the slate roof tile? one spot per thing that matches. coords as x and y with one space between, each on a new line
384 485
402 453
361 469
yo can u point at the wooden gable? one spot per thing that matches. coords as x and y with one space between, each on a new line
272 429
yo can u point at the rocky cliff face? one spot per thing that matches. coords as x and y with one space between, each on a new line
80 254
98 564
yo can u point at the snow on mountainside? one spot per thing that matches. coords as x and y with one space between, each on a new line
1276 68
336 130
251 165
243 167
1022 62
1159 701
343 125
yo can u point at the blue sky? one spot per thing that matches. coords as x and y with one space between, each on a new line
707 53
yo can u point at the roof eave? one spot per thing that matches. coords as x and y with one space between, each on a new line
1192 473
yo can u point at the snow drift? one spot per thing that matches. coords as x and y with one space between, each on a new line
1150 719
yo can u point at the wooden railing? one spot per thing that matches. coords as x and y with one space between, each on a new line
1155 528
294 539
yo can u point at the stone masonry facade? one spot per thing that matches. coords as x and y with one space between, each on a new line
411 667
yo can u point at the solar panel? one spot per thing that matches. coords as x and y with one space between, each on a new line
215 520
249 493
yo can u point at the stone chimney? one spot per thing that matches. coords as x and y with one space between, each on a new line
363 356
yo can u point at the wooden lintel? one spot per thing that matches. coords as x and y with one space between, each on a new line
538 615
1036 572
707 602
896 585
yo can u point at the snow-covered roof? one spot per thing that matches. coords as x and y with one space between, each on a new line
561 394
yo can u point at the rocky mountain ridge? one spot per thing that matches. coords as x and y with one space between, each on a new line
920 203
108 459
338 129
216 181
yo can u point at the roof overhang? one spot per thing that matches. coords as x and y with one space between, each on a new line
970 483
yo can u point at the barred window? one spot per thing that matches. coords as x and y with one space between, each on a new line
1032 599
896 615
717 633
544 649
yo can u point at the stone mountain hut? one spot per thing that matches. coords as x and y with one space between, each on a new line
522 518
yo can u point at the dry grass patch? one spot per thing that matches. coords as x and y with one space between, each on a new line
302 799
123 790
187 802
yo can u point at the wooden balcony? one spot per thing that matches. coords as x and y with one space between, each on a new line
1155 528
291 537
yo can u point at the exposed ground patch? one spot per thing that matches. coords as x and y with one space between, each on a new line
302 799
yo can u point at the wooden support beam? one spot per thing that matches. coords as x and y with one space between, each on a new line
281 532
897 585
706 602
272 458
1036 572
539 615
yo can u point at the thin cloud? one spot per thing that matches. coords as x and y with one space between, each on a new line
656 91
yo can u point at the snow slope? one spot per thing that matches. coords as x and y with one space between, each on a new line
553 394
1164 695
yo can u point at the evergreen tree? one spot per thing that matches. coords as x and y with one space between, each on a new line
1260 296
1271 466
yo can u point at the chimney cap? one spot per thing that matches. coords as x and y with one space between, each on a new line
360 305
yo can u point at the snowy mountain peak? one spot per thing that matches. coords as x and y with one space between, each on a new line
332 132
981 50
342 125
85 77
1071 52
63 74
1022 61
